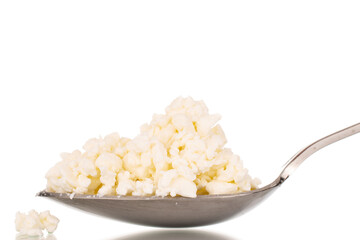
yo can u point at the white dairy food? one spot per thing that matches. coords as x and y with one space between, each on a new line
179 153
33 223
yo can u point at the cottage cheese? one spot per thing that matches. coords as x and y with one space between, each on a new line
179 153
33 223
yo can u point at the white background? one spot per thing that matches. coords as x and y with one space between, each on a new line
281 73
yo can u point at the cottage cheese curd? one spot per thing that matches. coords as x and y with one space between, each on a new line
33 223
179 153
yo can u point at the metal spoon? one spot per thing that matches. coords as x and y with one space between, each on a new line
190 212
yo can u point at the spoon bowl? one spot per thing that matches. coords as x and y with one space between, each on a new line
172 212
177 212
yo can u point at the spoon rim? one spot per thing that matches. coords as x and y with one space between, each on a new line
72 196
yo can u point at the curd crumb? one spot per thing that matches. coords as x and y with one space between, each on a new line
33 223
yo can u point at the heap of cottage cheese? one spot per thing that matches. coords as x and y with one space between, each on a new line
179 153
33 223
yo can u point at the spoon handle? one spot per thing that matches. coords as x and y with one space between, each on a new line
303 154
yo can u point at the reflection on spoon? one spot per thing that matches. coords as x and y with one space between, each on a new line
175 235
26 237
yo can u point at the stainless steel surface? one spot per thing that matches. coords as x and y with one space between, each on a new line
304 153
190 212
167 212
